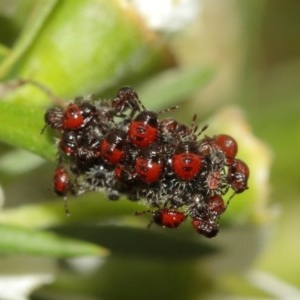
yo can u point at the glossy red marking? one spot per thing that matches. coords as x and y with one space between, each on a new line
72 118
61 181
111 148
226 144
148 170
238 175
143 130
186 166
216 204
167 217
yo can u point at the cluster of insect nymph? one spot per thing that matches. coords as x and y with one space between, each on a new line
119 147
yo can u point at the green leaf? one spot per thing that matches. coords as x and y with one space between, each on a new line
21 127
27 241
17 162
171 86
92 206
83 47
34 24
4 52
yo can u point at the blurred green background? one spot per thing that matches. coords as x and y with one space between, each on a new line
235 63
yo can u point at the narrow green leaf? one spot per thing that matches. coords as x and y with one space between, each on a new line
171 86
27 241
34 24
17 162
4 52
89 207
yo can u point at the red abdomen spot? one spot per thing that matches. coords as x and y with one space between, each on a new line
186 166
72 118
170 218
142 135
110 152
147 170
60 181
